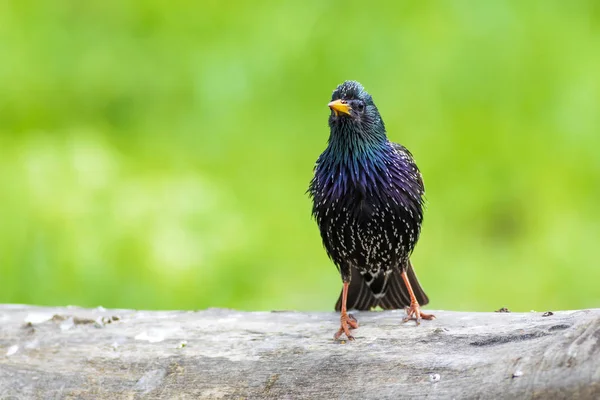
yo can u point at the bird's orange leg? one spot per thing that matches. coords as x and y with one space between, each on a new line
347 321
414 310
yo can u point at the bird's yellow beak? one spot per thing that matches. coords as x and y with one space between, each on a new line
339 106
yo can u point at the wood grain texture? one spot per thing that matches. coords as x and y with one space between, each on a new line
57 353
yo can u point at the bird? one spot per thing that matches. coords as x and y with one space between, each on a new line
368 200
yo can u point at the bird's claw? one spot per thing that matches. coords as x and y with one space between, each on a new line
347 322
414 312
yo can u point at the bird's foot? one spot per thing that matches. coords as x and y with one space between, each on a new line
347 322
414 312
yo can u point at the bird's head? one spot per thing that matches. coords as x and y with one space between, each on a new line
354 114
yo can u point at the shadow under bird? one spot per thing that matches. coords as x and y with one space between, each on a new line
367 197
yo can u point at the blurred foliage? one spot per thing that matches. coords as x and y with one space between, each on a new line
156 154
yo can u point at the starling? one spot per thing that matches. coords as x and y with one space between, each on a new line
367 195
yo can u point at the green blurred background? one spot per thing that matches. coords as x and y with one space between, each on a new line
156 154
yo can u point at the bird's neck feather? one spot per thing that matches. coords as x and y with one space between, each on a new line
354 161
349 144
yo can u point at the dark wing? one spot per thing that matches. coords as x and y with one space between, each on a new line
408 157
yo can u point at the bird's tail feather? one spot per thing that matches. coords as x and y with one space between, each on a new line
360 296
397 293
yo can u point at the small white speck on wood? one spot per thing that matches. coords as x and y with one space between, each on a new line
517 373
12 350
67 324
37 317
232 354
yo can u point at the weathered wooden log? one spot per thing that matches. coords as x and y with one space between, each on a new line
56 353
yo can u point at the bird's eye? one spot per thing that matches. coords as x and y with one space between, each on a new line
360 106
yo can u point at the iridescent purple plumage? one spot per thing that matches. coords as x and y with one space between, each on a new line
368 202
